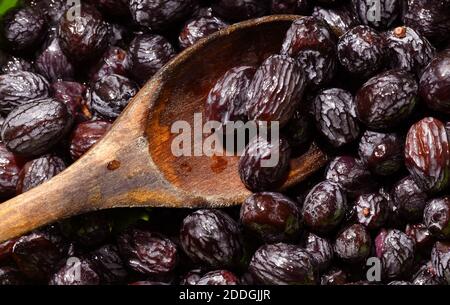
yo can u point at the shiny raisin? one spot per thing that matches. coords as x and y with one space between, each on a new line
361 51
111 95
427 154
440 257
219 277
353 244
387 99
264 164
148 53
158 14
382 152
372 210
53 63
76 271
324 207
199 28
410 199
320 250
408 50
282 264
312 43
10 167
396 251
33 128
226 101
17 88
211 237
335 116
437 217
114 61
276 90
340 19
435 83
86 135
84 36
351 174
272 216
38 171
23 28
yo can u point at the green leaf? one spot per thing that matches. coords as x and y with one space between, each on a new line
6 5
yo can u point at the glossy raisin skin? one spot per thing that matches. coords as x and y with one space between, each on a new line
339 19
111 95
320 250
147 252
351 174
372 210
312 43
76 271
148 53
382 152
427 155
430 18
53 64
324 207
437 217
86 135
226 101
106 262
33 128
72 94
199 28
84 37
38 171
38 254
386 100
421 235
264 164
440 257
17 88
114 61
10 167
378 14
237 10
11 64
408 50
335 116
23 28
361 51
192 277
219 277
211 237
427 275
396 251
276 90
272 216
353 244
334 276
409 198
158 14
282 264
435 83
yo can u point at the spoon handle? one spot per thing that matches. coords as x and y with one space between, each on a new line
117 172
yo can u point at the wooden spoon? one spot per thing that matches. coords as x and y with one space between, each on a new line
133 165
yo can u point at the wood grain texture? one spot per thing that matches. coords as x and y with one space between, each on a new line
133 165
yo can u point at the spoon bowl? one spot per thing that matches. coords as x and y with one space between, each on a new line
133 166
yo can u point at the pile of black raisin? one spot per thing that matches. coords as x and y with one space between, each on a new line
371 89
